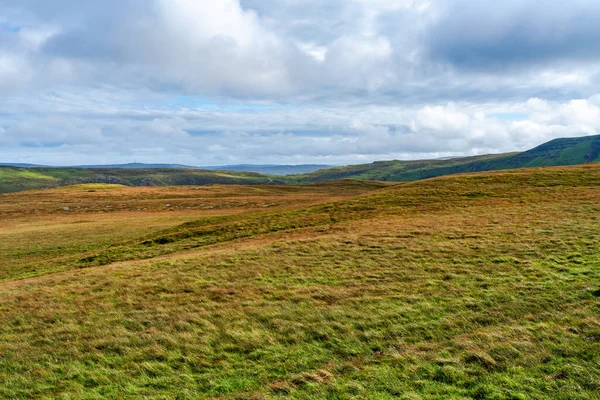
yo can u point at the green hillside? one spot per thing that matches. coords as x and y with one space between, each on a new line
396 170
17 179
558 152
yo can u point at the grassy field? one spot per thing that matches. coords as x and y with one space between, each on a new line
483 286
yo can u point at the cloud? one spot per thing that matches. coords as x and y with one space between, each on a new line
218 47
494 35
288 51
340 81
333 134
442 119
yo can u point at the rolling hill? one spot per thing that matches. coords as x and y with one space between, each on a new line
271 169
267 169
558 152
13 179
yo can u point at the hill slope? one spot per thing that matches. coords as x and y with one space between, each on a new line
271 169
477 286
568 151
267 169
135 166
17 179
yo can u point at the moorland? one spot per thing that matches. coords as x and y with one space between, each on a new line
482 285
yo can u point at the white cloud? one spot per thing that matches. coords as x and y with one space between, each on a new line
314 50
13 71
290 81
34 39
579 115
218 48
445 119
385 5
203 21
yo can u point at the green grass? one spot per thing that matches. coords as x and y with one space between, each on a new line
14 179
481 286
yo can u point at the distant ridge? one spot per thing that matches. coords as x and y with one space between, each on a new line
135 166
21 165
268 169
271 169
120 166
15 179
557 152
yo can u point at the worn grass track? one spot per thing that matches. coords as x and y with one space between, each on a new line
471 286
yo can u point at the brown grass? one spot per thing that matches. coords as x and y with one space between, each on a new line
472 286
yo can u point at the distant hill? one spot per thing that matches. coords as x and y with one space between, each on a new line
271 169
21 165
97 166
14 179
267 169
136 166
558 152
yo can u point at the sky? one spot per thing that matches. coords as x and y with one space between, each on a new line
215 82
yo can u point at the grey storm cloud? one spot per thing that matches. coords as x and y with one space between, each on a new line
203 82
491 35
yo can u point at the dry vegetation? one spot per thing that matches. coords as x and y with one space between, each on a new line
472 286
44 230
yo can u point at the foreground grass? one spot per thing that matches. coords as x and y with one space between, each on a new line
482 286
